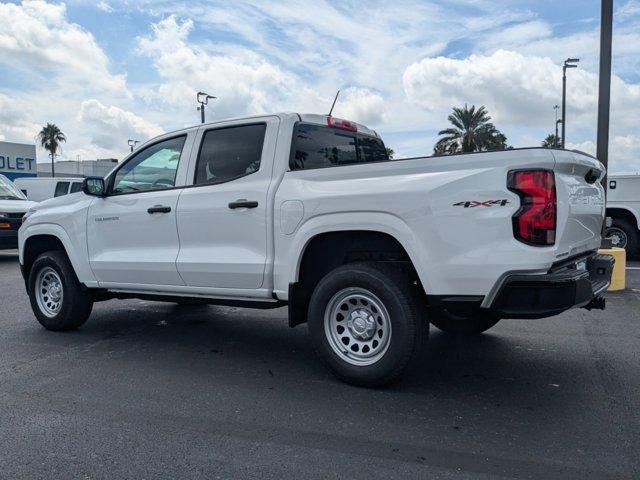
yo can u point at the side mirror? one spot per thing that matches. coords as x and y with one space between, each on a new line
94 186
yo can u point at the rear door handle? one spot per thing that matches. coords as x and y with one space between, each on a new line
242 203
158 209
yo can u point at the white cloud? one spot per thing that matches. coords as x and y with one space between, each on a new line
104 6
15 123
623 152
244 83
110 127
362 106
629 10
518 34
37 37
517 89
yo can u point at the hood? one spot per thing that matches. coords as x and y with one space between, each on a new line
16 206
62 200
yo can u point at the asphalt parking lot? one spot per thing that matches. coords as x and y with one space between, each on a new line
152 390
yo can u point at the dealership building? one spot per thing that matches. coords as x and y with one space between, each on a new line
19 160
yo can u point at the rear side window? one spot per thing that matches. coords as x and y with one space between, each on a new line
76 187
62 188
320 147
229 153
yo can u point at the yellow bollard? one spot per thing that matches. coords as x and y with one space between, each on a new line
618 278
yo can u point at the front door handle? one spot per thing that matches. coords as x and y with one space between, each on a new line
242 203
158 209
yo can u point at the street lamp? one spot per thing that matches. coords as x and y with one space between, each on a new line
568 63
132 143
556 108
203 99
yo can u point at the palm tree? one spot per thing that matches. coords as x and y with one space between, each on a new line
390 152
472 131
552 141
50 138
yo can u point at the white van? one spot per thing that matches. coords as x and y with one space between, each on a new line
623 206
13 206
39 189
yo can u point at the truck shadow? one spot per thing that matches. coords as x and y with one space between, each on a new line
257 348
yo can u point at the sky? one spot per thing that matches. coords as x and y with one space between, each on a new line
112 70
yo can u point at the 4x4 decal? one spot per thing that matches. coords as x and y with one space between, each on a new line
486 203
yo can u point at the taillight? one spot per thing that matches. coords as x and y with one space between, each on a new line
535 222
342 124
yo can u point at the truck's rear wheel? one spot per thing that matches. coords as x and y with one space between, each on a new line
367 322
623 235
57 299
473 324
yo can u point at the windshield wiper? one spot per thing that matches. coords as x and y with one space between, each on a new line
7 197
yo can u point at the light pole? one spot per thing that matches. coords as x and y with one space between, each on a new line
132 143
556 108
203 99
568 63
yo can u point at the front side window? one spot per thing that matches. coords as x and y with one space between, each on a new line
317 146
154 168
62 188
229 153
76 187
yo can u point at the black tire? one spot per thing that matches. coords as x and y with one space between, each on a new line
472 325
76 304
629 230
401 299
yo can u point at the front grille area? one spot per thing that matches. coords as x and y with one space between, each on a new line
15 215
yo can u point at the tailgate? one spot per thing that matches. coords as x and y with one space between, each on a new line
581 203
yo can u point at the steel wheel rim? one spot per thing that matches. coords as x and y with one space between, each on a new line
617 236
49 292
357 326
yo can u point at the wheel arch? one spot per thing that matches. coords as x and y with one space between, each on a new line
41 238
324 249
623 213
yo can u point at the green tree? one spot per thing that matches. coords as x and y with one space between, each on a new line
552 141
50 138
472 131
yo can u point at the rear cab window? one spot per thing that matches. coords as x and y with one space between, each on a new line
317 146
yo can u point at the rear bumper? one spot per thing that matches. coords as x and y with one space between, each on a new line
566 285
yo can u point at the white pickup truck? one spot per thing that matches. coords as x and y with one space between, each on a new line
308 211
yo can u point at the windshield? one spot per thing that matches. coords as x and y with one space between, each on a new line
8 191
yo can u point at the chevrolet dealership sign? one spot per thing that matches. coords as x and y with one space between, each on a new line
17 160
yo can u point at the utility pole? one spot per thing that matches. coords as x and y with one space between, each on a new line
568 63
604 87
203 99
132 143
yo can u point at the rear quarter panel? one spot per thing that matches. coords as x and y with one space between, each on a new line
438 208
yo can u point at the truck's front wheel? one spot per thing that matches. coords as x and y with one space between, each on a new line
57 299
367 322
472 324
